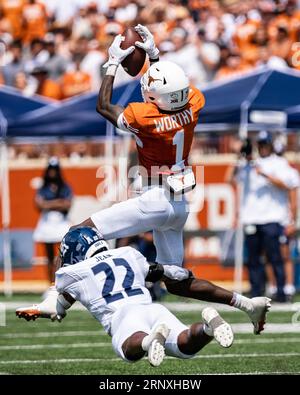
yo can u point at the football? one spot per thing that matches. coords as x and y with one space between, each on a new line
134 62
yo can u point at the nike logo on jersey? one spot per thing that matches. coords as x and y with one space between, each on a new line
174 121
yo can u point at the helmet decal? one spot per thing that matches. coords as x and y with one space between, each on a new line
81 243
151 79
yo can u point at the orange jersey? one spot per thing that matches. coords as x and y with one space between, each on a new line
12 10
50 89
163 139
75 83
35 18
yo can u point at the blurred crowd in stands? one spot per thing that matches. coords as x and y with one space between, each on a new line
57 48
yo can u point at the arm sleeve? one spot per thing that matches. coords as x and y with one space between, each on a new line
293 179
127 120
286 174
64 282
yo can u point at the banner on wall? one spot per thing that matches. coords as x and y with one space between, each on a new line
209 231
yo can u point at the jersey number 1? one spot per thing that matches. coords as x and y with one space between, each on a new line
178 140
110 280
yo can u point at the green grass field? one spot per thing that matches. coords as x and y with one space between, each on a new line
79 346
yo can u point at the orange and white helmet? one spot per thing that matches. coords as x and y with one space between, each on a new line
166 85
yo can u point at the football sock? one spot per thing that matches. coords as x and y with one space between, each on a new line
208 330
146 342
241 302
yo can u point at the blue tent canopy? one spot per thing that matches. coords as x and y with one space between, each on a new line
75 117
262 90
13 105
293 120
227 103
72 118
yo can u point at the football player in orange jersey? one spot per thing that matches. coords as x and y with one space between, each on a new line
163 126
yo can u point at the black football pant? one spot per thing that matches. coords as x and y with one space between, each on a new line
264 239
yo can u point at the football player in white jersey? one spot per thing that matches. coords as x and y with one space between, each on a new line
155 209
111 285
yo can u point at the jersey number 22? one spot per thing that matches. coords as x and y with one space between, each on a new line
110 280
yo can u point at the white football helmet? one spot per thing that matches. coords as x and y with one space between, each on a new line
166 85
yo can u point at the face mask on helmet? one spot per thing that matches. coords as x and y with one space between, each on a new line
166 85
80 244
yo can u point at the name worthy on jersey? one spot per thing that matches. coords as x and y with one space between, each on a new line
163 138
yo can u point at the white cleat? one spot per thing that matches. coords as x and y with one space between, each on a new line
156 353
154 344
261 305
218 328
45 309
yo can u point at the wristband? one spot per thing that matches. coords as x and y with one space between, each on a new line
111 70
153 60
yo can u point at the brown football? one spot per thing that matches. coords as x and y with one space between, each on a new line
134 62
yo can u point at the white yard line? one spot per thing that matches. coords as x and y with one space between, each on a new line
175 306
28 335
108 344
49 346
207 356
238 328
269 328
198 306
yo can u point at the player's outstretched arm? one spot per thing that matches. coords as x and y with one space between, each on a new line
116 55
104 106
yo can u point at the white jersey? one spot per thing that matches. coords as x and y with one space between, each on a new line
107 282
262 201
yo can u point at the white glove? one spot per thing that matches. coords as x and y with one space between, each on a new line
175 272
148 44
117 54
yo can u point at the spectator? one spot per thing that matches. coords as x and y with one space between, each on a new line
266 59
53 200
259 40
75 82
91 64
81 24
56 64
289 225
186 56
261 32
13 12
265 185
16 64
20 81
37 55
34 20
45 86
281 46
234 66
5 55
209 55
